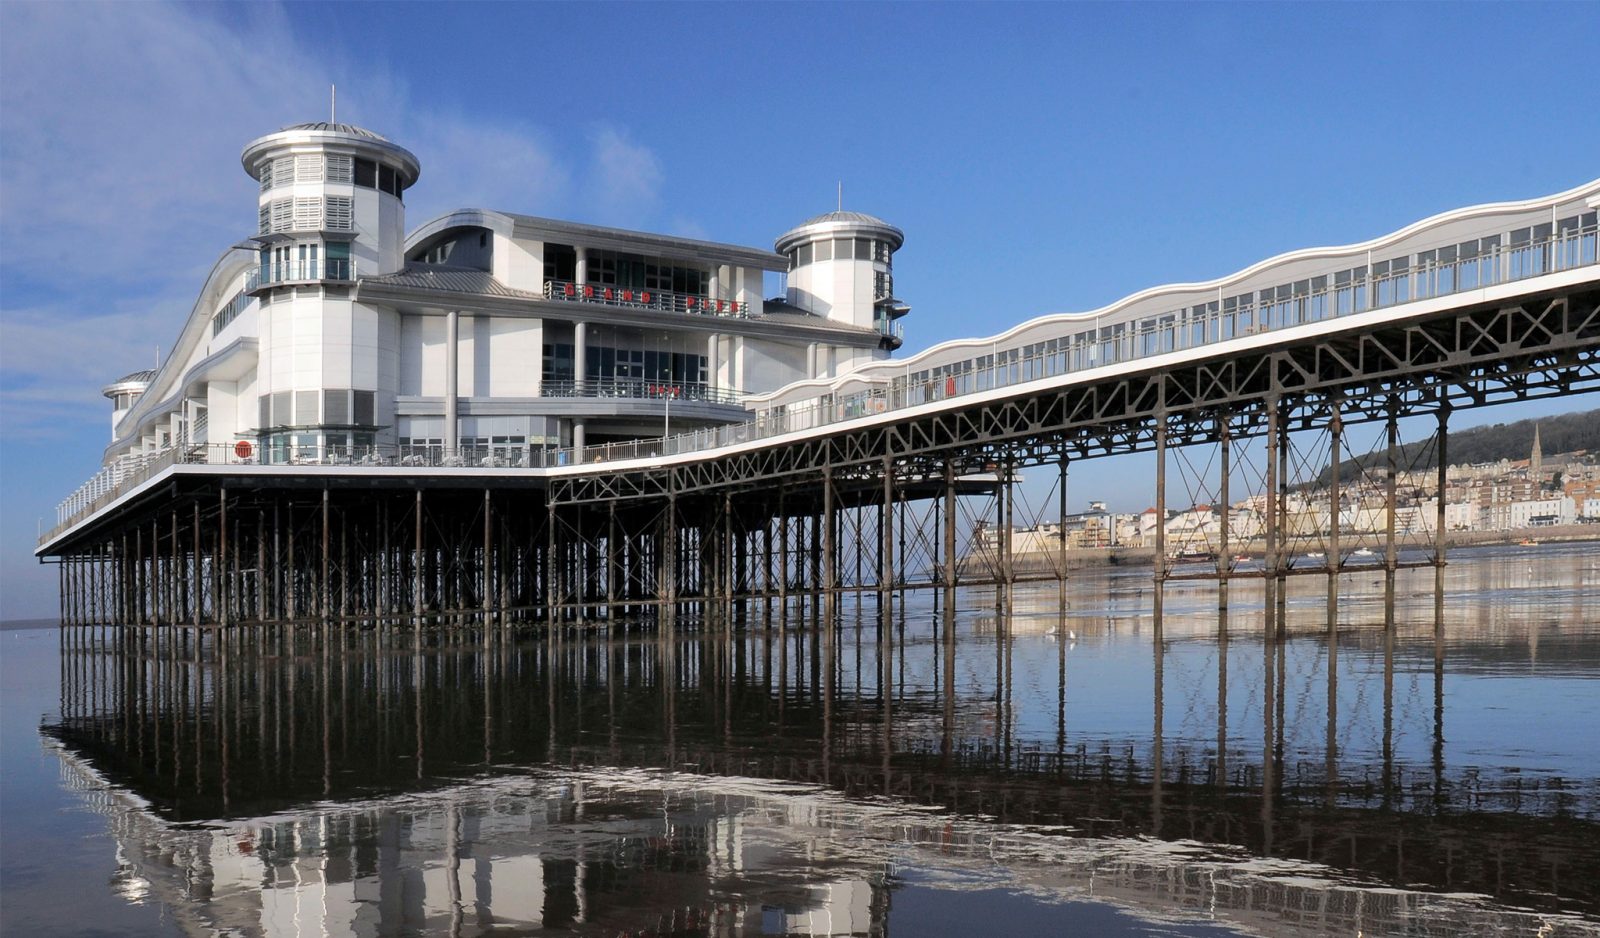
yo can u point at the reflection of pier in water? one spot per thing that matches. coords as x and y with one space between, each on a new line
1288 745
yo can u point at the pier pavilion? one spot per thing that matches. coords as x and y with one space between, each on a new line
354 428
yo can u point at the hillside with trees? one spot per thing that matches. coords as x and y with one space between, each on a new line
1565 433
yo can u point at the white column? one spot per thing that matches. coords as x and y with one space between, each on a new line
452 351
580 356
811 360
579 433
715 282
583 265
713 360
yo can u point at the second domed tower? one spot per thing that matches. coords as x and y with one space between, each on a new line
841 266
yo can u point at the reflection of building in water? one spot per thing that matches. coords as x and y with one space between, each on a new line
646 854
513 854
1345 752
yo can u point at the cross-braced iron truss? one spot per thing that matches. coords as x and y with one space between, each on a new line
927 498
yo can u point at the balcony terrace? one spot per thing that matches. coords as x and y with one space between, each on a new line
664 300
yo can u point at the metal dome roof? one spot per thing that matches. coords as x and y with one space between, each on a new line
284 137
839 220
134 381
857 218
350 129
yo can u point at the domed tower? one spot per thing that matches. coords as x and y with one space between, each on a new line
841 265
330 212
330 204
124 393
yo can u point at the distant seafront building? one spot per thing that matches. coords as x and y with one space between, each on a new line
483 335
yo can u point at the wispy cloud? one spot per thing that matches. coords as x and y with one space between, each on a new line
626 179
120 131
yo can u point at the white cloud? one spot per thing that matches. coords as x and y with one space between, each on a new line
120 131
626 179
481 164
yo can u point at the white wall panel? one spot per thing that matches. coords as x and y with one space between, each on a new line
516 346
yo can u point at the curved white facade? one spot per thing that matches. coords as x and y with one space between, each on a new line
480 338
1448 253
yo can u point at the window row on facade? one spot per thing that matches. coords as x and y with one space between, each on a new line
305 260
331 167
334 407
316 213
229 312
606 366
628 271
842 249
1514 255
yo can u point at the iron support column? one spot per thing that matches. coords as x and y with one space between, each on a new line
1270 552
219 578
829 558
487 573
783 555
1439 516
611 559
1284 535
949 531
1335 507
886 534
1161 517
327 566
416 568
1061 531
1224 549
1391 503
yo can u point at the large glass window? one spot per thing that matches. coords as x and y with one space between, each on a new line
557 364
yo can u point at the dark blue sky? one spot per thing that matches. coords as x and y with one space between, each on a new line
1040 158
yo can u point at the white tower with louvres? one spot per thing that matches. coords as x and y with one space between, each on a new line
841 266
330 211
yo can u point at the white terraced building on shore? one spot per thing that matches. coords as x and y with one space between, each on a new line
332 336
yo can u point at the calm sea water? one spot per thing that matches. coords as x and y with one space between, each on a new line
928 772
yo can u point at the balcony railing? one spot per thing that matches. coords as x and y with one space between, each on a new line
265 275
641 388
1126 341
999 367
627 297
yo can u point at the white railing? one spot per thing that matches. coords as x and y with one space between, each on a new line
612 295
1128 341
1000 367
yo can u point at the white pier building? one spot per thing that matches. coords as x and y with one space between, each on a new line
332 336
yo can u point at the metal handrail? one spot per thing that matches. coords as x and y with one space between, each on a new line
1028 361
665 300
298 271
1152 335
642 389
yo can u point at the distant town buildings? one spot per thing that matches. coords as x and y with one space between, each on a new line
1495 497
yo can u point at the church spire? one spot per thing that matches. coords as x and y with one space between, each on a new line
1536 461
